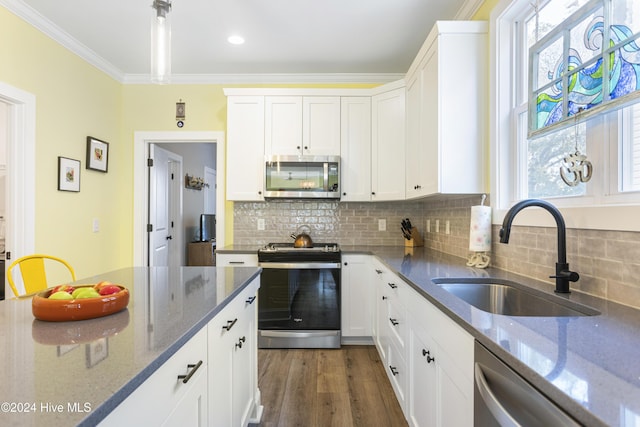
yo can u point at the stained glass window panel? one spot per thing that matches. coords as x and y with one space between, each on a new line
626 13
549 107
585 87
586 38
550 65
625 69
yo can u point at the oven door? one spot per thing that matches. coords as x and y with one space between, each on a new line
299 305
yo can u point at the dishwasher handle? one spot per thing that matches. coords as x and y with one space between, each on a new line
491 401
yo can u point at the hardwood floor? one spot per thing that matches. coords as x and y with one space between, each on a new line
320 388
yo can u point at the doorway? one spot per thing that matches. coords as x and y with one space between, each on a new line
142 141
18 129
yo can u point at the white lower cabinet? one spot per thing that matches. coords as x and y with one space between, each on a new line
174 395
357 296
211 381
427 356
233 376
441 368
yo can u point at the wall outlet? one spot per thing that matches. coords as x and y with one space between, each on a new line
260 224
447 228
437 225
428 226
95 225
382 225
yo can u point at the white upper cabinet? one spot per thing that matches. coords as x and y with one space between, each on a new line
388 145
283 125
245 148
447 103
297 125
355 149
321 125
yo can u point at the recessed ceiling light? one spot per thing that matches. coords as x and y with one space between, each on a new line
235 40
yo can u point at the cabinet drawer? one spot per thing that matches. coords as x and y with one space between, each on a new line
398 374
235 315
166 385
397 317
237 260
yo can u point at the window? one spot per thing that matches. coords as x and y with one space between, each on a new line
529 167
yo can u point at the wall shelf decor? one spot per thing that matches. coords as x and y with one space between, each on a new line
194 183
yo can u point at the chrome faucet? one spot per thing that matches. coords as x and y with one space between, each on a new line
563 275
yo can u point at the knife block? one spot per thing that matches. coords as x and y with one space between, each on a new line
416 239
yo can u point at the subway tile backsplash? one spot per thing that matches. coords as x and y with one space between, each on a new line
608 261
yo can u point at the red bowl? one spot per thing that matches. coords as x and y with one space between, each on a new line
44 308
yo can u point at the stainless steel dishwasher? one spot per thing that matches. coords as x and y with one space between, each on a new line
504 398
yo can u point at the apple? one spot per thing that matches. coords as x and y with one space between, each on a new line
87 293
77 291
109 289
66 288
60 295
102 284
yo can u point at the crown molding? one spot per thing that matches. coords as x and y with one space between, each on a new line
35 19
468 9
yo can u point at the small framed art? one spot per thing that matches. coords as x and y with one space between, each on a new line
68 174
97 154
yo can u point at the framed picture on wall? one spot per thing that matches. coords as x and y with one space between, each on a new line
68 174
97 154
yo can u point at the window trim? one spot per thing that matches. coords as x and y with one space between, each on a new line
607 212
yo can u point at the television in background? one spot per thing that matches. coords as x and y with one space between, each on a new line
207 227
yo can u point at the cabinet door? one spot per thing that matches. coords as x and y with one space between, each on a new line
388 146
321 125
244 360
169 392
355 149
422 381
382 337
283 125
245 148
192 409
357 296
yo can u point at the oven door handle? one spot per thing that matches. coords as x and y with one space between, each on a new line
300 265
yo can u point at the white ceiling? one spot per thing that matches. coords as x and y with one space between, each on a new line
365 39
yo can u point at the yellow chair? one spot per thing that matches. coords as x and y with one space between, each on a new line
30 272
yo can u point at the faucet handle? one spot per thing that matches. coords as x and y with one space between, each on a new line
571 276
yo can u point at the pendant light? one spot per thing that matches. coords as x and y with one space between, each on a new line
161 42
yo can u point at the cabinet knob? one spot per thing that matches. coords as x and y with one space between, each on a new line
240 341
394 322
373 193
384 298
260 192
378 271
394 370
297 147
250 300
306 148
185 378
392 285
346 263
428 354
344 194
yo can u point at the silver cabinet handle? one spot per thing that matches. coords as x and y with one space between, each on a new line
185 378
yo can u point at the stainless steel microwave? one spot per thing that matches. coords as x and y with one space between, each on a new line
302 177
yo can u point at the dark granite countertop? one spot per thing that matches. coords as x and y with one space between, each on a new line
75 373
589 365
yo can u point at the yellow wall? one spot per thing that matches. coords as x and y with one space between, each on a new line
73 100
484 12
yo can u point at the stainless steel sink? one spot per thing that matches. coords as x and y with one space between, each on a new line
510 299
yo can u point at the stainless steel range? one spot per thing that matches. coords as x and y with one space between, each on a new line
299 297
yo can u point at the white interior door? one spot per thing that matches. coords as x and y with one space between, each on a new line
210 191
165 207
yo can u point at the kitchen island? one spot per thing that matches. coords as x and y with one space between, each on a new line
76 373
588 365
